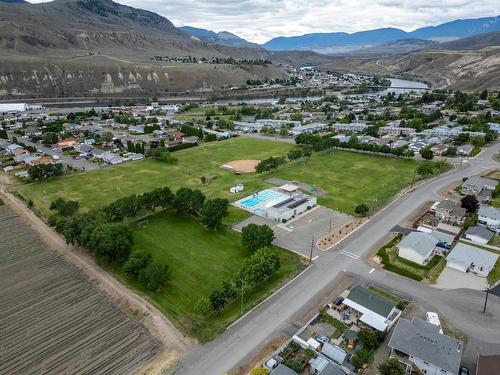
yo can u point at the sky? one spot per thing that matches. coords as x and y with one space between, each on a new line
261 20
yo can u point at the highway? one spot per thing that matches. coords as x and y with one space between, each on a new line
462 308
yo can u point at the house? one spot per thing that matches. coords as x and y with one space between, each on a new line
417 247
450 212
64 144
487 364
464 149
479 234
475 184
490 217
468 258
10 149
439 149
419 344
322 366
374 310
283 370
334 353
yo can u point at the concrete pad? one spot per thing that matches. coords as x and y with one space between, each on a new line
454 279
254 219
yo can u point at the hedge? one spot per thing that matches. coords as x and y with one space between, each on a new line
402 272
181 146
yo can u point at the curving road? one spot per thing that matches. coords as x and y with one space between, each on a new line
462 308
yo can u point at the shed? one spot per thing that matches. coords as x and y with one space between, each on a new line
334 353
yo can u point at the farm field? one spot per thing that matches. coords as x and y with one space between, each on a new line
53 319
200 260
347 177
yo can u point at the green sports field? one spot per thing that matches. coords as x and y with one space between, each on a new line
200 260
347 177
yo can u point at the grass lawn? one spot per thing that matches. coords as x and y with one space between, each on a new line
200 260
349 178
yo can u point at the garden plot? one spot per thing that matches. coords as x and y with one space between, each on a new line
53 320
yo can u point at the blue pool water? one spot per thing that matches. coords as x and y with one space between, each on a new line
262 197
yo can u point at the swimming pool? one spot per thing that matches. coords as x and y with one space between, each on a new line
263 197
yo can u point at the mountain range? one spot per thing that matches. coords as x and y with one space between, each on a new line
340 41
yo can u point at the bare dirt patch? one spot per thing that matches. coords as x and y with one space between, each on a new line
241 166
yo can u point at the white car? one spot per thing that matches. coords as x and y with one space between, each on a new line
56 157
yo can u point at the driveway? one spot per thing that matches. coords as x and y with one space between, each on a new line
454 279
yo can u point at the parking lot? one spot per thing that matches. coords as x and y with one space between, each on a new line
297 235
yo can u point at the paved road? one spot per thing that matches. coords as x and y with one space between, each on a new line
461 307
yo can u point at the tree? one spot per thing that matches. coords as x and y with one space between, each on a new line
154 276
296 116
213 212
110 242
425 169
260 266
470 221
255 237
470 203
187 201
40 172
49 139
3 134
137 261
391 366
64 208
484 95
427 153
361 209
477 141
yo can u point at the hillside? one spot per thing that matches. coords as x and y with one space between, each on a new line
224 38
397 47
468 64
342 42
72 47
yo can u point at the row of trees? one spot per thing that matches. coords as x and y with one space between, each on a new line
135 147
269 164
327 142
40 172
257 268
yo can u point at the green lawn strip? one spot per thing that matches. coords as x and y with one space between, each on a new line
386 262
200 260
348 178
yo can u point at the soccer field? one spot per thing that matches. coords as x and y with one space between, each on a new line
347 177
200 260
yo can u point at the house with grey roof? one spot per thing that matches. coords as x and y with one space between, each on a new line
283 370
475 184
490 217
479 234
468 258
464 149
417 247
419 344
334 353
450 212
372 309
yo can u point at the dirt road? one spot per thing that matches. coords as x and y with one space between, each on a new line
173 343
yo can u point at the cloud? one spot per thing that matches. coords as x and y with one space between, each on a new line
261 20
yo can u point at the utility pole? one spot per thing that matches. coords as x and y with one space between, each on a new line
242 292
413 180
486 299
311 253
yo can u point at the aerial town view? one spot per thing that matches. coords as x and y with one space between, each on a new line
305 194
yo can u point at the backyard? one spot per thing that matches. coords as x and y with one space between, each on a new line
347 178
199 261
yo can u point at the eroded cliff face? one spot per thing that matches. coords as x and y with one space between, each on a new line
79 79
